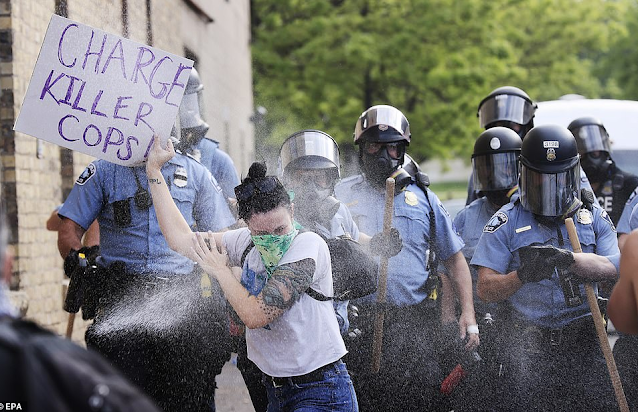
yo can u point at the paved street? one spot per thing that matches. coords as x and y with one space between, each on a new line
231 394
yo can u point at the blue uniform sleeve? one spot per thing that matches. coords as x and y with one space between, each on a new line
86 198
606 238
624 225
225 172
493 250
211 210
459 221
349 224
448 242
633 220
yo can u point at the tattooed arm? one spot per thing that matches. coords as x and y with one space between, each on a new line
285 287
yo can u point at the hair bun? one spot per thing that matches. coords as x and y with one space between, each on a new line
257 170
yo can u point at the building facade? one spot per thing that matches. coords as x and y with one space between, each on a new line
36 176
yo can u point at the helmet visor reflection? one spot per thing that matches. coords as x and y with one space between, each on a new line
592 138
309 144
495 171
506 107
549 194
382 115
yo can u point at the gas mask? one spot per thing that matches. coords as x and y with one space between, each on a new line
596 166
379 160
313 200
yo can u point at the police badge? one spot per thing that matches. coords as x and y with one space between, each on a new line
180 178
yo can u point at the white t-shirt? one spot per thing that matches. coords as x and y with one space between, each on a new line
306 336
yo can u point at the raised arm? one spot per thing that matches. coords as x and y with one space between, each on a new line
176 230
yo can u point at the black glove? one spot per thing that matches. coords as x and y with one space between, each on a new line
72 260
538 262
386 245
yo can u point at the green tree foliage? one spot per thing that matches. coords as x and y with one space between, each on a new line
320 63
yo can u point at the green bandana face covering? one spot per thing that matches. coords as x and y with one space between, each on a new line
272 247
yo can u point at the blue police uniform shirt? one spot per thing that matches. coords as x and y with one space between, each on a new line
625 224
633 219
106 192
513 227
407 271
469 223
220 165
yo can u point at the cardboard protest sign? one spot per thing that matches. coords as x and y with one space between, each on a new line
102 94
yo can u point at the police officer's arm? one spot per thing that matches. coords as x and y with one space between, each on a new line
457 267
69 236
623 302
493 286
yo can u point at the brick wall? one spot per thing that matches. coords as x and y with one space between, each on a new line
37 175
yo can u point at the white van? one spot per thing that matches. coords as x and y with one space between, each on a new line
620 118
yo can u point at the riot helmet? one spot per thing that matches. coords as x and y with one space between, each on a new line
309 167
382 133
507 106
495 160
594 148
194 128
550 172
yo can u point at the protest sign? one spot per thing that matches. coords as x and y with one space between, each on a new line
102 94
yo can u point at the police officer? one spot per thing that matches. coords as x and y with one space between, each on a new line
510 107
495 172
611 185
195 143
550 352
505 106
174 358
409 376
626 223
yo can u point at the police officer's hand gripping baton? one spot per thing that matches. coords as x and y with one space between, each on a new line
377 339
600 327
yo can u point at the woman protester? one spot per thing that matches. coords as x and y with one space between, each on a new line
292 338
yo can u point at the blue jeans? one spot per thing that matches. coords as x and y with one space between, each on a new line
334 393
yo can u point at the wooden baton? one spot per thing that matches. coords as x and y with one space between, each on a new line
598 322
377 339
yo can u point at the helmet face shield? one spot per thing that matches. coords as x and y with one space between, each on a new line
309 149
496 171
506 107
549 194
592 138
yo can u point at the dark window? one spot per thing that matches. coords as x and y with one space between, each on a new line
62 8
149 24
125 27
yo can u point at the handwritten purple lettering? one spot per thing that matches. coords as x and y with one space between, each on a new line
60 59
60 132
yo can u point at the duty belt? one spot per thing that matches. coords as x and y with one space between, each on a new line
577 332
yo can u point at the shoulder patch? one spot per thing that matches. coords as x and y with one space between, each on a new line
496 221
87 174
607 218
633 194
